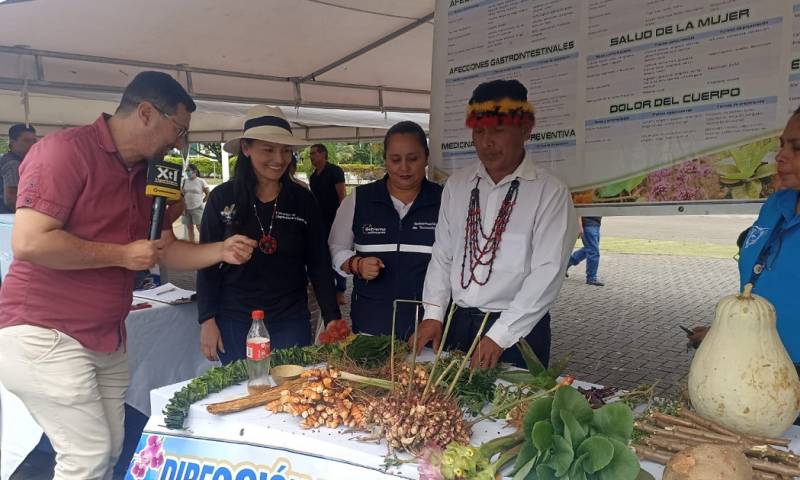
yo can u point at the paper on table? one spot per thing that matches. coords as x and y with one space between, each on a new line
167 293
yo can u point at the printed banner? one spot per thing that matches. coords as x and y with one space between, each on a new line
166 457
656 101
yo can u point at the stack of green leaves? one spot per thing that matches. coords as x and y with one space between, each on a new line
536 375
370 351
304 356
472 391
212 381
566 439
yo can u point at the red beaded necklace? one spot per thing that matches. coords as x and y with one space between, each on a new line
484 255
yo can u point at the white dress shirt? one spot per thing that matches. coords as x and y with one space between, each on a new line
340 240
531 259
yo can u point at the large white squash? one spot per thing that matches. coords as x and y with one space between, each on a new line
741 375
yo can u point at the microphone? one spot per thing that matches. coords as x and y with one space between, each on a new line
163 183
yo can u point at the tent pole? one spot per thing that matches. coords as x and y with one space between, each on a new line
226 168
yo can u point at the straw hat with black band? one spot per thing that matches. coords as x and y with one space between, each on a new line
268 124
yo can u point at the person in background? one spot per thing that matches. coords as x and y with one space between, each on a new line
195 192
505 231
589 231
21 138
327 184
262 202
384 232
79 235
770 254
293 172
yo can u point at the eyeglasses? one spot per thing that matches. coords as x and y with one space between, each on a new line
183 132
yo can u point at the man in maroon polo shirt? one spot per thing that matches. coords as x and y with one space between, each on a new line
79 236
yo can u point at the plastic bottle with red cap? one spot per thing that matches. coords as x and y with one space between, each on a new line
259 348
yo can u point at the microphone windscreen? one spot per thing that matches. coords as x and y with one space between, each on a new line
164 180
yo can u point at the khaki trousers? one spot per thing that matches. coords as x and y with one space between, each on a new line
76 395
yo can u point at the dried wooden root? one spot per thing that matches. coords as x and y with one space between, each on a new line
321 401
668 434
250 401
408 423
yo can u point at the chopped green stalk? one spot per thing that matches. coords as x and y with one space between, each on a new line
531 360
501 444
444 373
372 382
507 456
413 355
447 322
469 354
391 352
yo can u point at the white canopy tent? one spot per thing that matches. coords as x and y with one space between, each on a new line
343 69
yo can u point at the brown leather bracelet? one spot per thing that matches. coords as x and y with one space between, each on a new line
350 264
358 267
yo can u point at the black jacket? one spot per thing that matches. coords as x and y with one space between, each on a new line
275 283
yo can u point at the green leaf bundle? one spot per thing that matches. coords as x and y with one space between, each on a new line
566 439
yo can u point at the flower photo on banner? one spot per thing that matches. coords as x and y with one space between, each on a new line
151 457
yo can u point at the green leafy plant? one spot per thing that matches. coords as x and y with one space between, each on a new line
212 381
745 173
618 188
566 439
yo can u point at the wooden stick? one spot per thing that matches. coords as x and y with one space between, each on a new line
710 425
777 468
753 447
666 443
709 436
681 435
647 453
713 426
251 401
758 475
663 419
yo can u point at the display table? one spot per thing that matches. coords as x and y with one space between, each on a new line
255 442
163 348
6 224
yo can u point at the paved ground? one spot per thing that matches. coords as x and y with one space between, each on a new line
626 333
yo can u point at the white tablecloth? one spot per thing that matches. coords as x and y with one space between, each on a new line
163 348
6 223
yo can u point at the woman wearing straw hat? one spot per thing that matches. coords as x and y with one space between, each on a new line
263 203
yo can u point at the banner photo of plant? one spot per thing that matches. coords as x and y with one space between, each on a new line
745 172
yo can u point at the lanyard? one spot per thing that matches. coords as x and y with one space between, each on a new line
776 237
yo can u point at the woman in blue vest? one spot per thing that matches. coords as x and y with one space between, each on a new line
770 255
383 234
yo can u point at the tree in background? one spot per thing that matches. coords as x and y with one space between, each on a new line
3 145
348 153
212 151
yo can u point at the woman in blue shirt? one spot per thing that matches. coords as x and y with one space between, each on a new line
770 255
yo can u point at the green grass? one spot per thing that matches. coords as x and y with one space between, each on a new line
666 247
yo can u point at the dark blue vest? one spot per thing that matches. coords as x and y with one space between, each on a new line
404 246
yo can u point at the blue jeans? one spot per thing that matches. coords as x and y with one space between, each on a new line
590 252
292 329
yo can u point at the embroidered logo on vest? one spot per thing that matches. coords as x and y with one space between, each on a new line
424 226
368 229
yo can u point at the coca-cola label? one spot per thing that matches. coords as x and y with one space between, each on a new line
258 348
